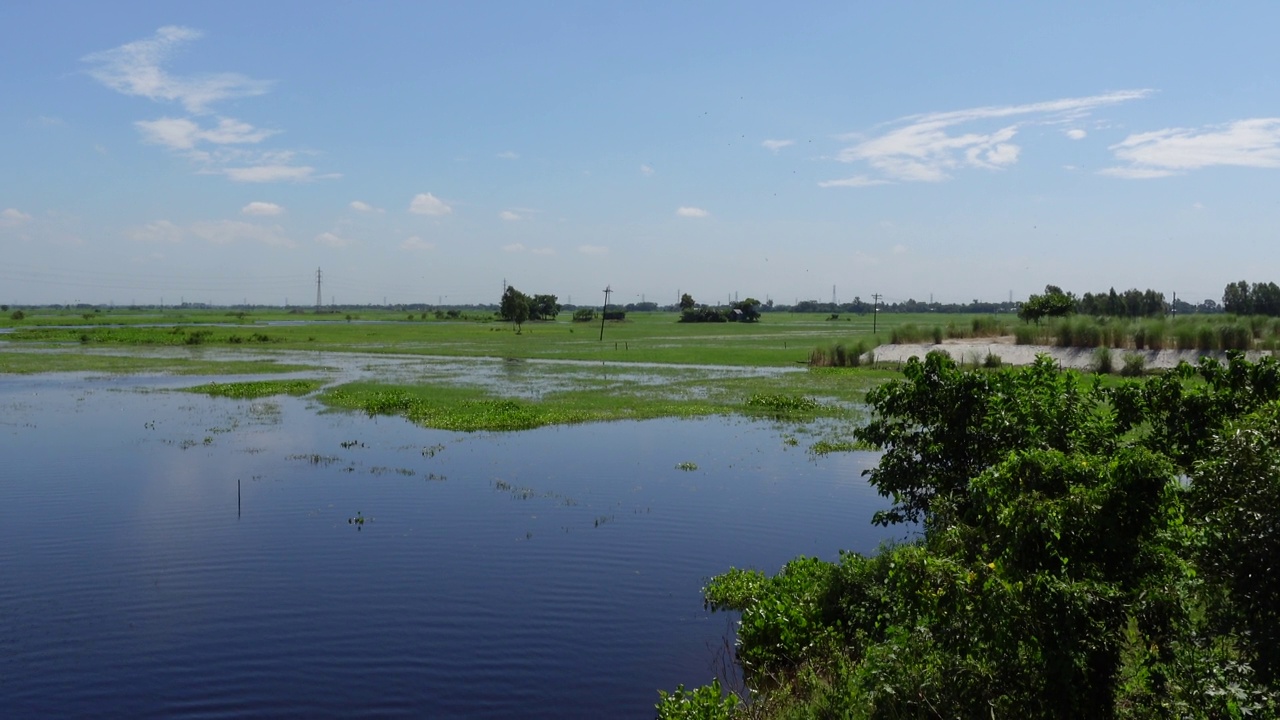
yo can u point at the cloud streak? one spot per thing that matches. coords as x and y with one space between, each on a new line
261 209
185 134
1251 143
931 146
692 212
428 204
13 217
135 69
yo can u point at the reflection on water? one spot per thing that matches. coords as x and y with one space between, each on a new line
176 555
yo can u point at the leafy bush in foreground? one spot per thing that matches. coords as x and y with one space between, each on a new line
1084 552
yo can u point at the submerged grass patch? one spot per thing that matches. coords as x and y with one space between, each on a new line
29 363
802 396
261 388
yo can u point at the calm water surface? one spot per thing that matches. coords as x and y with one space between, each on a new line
169 554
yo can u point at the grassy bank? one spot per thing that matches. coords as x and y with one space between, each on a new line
779 339
796 397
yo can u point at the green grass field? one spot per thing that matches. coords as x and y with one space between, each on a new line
779 339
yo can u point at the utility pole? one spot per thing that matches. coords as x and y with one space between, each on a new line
1174 306
875 311
319 301
605 310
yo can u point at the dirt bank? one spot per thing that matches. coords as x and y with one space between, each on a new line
976 350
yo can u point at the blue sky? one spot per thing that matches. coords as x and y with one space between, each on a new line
425 152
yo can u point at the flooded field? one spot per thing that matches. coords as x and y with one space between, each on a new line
176 555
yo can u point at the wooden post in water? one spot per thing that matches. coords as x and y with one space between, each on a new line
237 497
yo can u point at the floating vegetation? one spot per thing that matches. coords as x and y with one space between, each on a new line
348 444
825 447
524 493
261 388
359 520
464 416
430 451
382 470
783 403
687 466
316 459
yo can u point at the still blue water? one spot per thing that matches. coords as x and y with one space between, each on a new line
173 555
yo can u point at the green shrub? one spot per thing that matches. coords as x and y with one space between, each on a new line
1134 365
1206 338
1026 335
17 315
1102 360
708 702
988 327
1233 336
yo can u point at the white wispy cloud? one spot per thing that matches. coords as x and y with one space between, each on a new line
261 208
160 231
416 243
136 69
514 248
1076 134
332 239
593 250
428 204
509 155
364 207
185 134
12 217
930 146
855 181
273 173
1133 173
775 145
509 215
1254 142
542 251
692 212
646 170
226 232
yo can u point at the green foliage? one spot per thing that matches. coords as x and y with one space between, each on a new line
838 355
1087 551
708 702
703 314
1053 303
261 388
1134 365
1102 360
584 315
941 426
544 307
686 302
783 404
17 315
515 307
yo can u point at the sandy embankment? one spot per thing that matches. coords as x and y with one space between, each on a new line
976 350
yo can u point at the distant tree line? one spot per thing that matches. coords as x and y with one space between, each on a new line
1240 298
518 308
745 311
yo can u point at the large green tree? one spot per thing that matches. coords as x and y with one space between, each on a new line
515 307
